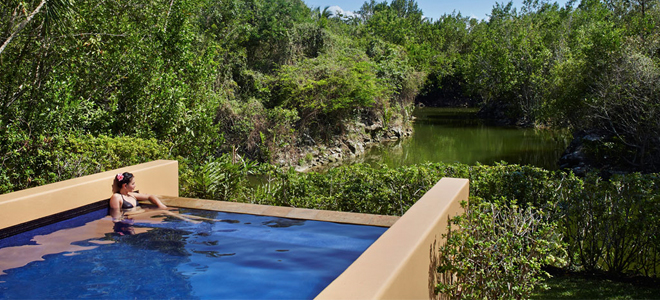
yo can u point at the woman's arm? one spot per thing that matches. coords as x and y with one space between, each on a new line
115 207
152 198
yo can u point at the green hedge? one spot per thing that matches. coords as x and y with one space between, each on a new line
33 162
391 191
497 250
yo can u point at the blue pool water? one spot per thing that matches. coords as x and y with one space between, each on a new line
206 255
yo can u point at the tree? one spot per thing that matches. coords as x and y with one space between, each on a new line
54 10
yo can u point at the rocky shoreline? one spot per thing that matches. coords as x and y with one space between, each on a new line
354 144
576 156
593 151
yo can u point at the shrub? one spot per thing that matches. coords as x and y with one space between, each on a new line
612 225
219 178
37 161
496 251
326 91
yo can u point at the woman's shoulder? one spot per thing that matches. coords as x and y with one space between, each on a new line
116 200
115 197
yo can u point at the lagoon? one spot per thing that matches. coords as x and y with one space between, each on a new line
452 135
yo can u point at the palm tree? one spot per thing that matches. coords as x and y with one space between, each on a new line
318 14
326 14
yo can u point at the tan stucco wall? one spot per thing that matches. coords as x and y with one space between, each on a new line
401 263
159 177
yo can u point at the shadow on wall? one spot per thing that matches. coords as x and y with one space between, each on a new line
436 277
433 268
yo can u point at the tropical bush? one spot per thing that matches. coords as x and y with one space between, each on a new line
496 250
32 162
326 92
612 225
219 178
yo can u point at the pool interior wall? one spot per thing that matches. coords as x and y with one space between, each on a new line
195 254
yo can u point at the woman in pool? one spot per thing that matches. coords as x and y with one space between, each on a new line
124 199
124 209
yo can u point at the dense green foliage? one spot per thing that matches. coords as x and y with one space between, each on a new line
496 251
591 67
50 159
613 225
264 78
206 77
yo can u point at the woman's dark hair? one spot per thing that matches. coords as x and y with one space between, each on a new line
120 180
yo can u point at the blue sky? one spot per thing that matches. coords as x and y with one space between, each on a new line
431 8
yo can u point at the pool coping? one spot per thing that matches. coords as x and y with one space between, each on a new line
282 211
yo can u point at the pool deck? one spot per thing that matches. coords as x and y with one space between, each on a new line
282 211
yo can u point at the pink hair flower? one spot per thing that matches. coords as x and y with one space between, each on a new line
120 177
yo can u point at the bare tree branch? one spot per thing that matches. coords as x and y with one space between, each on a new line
168 16
93 33
22 25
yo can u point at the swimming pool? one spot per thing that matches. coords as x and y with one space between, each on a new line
186 254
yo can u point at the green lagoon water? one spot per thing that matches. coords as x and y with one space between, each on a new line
457 135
